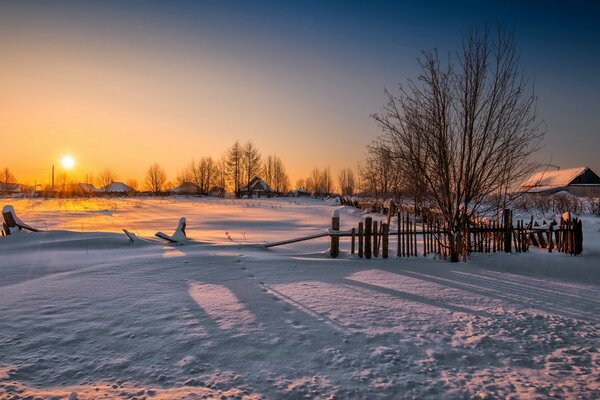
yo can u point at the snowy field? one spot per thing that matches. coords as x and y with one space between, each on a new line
84 313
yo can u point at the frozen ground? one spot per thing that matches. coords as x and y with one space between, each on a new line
84 313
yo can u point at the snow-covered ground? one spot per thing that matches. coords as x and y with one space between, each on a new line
85 313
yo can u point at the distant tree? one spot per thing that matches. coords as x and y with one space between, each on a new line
7 179
281 180
313 182
89 179
106 177
327 181
207 171
251 164
275 174
268 170
379 175
221 180
234 167
133 183
186 175
465 129
156 178
301 184
346 182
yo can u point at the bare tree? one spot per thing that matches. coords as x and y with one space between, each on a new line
380 177
275 175
105 178
301 184
251 164
156 178
346 182
7 179
281 181
268 170
207 170
313 182
465 129
326 181
133 183
221 175
234 167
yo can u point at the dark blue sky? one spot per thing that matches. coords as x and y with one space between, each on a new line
318 66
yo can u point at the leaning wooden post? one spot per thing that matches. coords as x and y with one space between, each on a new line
368 227
334 249
353 234
385 240
360 240
507 230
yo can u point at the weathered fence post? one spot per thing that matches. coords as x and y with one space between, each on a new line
507 230
375 240
360 239
368 227
579 237
353 233
334 249
385 239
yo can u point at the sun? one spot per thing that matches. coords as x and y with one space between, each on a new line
68 162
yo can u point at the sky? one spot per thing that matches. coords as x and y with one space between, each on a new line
125 84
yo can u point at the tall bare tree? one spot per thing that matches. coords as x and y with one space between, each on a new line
7 179
326 181
465 129
346 182
281 180
156 178
275 174
234 167
251 164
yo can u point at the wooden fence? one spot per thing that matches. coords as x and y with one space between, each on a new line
416 236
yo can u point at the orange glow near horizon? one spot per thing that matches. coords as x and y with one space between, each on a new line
124 111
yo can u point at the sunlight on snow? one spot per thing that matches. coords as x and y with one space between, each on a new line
171 253
223 307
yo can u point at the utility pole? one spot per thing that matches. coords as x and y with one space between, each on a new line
52 180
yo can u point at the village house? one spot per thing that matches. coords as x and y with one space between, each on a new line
257 188
187 188
580 181
117 188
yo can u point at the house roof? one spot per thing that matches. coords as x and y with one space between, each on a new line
88 187
186 187
117 187
550 180
258 184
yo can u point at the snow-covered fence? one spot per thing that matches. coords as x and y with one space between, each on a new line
429 236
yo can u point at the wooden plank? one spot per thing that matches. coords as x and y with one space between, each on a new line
296 240
368 227
360 240
385 240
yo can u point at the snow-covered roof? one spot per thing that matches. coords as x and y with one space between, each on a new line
549 180
186 187
259 183
88 187
117 187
